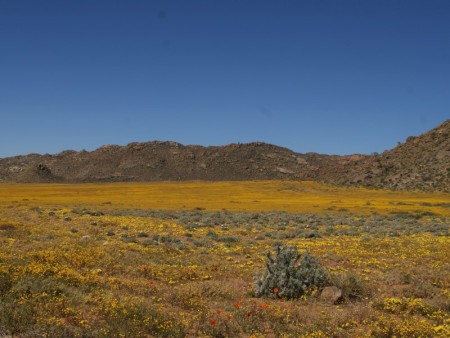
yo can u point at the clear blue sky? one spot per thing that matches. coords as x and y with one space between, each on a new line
336 77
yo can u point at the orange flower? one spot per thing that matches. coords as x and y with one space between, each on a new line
152 283
219 312
263 306
213 322
275 290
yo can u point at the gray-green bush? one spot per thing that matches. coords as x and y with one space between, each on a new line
290 274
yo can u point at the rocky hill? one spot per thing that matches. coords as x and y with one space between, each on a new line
421 163
166 161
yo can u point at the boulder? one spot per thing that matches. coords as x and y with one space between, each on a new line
331 294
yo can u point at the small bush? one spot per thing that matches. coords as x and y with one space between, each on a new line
290 274
142 234
5 283
228 239
212 234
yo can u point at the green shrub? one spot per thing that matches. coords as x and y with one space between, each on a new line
212 234
290 274
5 283
17 317
142 234
228 239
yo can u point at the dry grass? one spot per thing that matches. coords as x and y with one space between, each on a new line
136 272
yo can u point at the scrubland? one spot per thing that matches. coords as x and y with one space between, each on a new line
180 260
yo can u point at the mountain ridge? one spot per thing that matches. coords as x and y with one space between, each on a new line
420 163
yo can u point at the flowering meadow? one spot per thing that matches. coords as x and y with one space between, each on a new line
181 260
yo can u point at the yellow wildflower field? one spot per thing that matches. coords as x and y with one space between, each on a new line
180 260
234 196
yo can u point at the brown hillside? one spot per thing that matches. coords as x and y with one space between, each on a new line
421 163
158 161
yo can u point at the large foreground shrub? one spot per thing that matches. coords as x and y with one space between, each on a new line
290 274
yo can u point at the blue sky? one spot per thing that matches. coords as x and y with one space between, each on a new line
335 77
